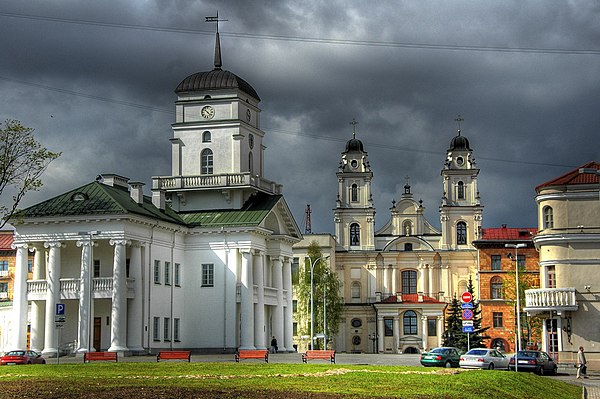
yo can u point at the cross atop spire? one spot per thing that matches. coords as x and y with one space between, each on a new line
354 123
218 61
459 120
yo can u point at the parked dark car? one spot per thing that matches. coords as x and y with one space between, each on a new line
441 357
22 357
533 361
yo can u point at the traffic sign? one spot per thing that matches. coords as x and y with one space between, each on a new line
466 323
468 329
467 305
467 314
60 309
466 296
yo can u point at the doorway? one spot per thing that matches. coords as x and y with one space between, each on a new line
97 332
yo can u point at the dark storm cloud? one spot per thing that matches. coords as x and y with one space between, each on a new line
103 94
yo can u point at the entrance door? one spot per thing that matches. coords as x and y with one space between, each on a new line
97 332
552 337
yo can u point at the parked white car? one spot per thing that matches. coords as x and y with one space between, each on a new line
483 358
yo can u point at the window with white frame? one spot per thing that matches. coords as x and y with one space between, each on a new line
167 273
156 272
496 262
176 329
551 271
167 329
496 288
206 160
410 322
208 275
409 282
3 268
156 329
548 215
177 275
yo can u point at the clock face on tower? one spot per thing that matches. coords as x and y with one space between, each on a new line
207 112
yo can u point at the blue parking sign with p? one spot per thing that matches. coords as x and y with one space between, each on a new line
60 309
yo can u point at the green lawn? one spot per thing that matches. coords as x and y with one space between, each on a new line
79 380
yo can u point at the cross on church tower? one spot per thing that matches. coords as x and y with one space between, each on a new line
218 62
459 120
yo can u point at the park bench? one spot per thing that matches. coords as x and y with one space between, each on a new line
105 356
252 354
315 354
174 355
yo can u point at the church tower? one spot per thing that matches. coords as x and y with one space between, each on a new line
461 210
354 215
217 145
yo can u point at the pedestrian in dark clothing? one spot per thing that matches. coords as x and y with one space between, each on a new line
274 345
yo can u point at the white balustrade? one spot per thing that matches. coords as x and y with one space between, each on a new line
551 299
222 180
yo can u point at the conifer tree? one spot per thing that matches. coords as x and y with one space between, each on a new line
453 324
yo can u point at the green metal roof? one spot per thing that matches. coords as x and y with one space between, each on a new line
97 199
252 213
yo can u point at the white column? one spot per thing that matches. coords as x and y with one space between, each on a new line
446 283
118 322
394 281
85 296
259 307
440 330
430 271
135 313
424 279
381 329
386 286
247 308
278 329
52 296
424 331
396 334
288 331
19 318
37 307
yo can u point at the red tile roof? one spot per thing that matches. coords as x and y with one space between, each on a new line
573 177
508 234
6 240
410 298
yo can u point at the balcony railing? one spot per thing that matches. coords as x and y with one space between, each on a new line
213 181
70 288
548 299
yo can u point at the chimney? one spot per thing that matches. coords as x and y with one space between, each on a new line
136 190
113 180
158 199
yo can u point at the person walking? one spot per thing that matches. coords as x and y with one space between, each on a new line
274 345
581 364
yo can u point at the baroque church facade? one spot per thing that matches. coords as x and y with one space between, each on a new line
203 264
398 280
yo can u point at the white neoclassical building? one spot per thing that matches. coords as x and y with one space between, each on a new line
202 264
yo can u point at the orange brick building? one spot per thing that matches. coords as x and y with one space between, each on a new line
496 268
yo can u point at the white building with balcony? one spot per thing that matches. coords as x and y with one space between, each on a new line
568 241
203 264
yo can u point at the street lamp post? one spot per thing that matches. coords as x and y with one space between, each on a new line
312 309
518 343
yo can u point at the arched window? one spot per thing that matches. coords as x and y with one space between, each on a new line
354 234
496 287
251 163
206 137
354 193
462 287
461 190
409 282
410 323
355 289
206 162
407 227
548 217
461 233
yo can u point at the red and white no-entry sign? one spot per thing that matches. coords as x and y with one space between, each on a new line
466 297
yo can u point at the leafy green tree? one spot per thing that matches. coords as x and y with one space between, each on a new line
325 285
22 161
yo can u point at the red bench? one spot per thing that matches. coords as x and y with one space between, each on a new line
105 356
174 355
252 354
325 355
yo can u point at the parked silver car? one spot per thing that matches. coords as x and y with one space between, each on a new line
483 358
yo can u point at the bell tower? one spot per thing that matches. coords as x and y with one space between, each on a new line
354 214
461 211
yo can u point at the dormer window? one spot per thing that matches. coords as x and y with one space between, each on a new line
78 197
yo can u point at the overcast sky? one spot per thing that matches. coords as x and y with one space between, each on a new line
96 81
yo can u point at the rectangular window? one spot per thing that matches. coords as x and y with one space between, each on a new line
295 329
295 270
497 319
208 275
167 329
431 328
167 273
496 262
127 267
96 268
177 275
294 306
521 261
3 287
156 329
176 330
156 272
29 266
551 276
3 265
388 326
